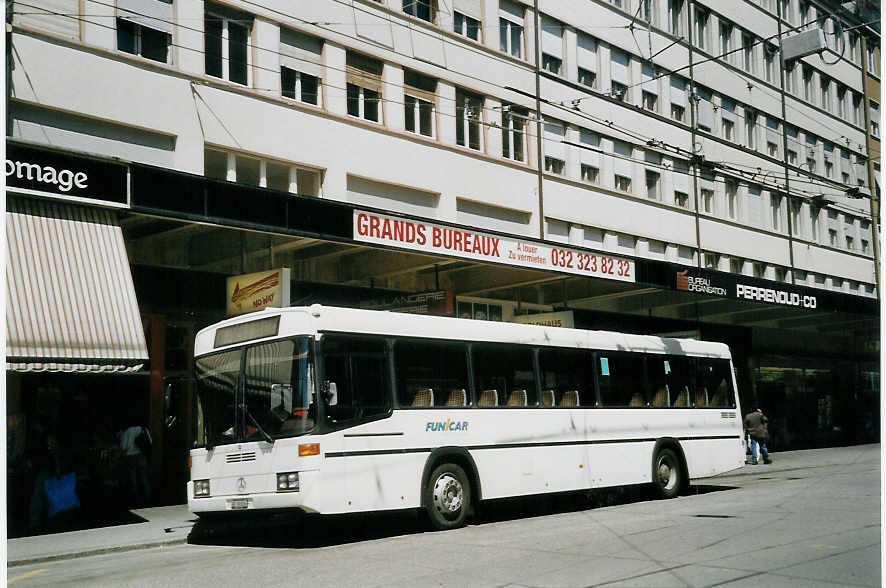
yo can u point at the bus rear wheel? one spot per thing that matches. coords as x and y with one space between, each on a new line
447 497
667 473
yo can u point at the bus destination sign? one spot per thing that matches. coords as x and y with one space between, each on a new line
382 229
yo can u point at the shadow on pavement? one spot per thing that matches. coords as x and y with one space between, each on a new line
304 531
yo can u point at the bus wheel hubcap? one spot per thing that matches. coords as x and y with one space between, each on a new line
666 474
448 494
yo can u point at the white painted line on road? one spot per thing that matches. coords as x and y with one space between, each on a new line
25 576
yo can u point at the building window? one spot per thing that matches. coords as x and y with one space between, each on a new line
750 123
725 40
759 270
707 199
775 204
510 24
850 243
701 28
810 164
747 42
772 149
832 237
865 246
790 78
227 42
363 86
468 114
554 165
732 198
807 85
796 205
590 173
622 183
647 11
681 199
781 274
804 13
253 171
826 93
728 130
551 45
769 52
653 185
711 261
466 26
736 266
650 101
142 40
587 78
675 17
873 65
619 91
677 112
856 109
513 123
875 119
551 63
423 9
841 102
792 157
419 99
299 86
829 168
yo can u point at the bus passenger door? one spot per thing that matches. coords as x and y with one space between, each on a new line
357 369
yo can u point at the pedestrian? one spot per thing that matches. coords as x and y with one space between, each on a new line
756 425
135 449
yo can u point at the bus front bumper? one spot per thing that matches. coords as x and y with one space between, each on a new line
254 501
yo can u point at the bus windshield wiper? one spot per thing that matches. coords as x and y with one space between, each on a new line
258 426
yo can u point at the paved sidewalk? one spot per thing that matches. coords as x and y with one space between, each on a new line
169 525
164 525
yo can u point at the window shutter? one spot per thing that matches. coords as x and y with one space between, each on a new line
706 113
755 201
587 53
646 75
154 14
554 134
623 166
511 10
47 16
552 37
678 91
590 156
472 8
620 63
681 177
420 86
301 52
363 71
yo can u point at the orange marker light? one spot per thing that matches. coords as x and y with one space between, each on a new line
308 449
190 462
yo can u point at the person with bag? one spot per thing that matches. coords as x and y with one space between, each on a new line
135 449
757 426
54 497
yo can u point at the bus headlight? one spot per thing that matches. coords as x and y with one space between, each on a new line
287 482
201 488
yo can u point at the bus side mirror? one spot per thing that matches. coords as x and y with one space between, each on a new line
331 393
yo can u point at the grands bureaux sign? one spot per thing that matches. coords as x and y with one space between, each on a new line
55 173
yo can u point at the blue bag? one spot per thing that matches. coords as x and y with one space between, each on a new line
61 494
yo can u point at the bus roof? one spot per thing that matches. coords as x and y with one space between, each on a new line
315 319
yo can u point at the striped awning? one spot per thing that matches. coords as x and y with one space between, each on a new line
70 300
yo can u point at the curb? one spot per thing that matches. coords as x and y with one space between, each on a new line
99 551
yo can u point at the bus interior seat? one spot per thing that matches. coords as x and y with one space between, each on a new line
661 397
570 398
701 397
547 397
457 397
488 398
637 400
424 397
682 397
517 398
719 398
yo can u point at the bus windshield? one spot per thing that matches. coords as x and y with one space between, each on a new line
260 392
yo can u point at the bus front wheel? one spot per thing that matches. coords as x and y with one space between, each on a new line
447 497
666 473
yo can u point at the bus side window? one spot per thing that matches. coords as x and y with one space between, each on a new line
566 377
715 377
428 371
505 369
359 369
620 377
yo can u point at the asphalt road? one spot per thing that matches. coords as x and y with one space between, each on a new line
815 523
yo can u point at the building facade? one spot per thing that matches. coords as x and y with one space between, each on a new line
654 166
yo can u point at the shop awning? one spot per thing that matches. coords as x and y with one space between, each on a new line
70 300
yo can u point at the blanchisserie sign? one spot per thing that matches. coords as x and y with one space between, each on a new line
736 287
52 173
421 236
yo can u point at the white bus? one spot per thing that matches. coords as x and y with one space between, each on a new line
335 410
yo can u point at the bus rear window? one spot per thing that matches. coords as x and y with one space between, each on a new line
714 380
